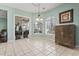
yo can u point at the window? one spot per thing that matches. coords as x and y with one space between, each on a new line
46 26
49 25
38 27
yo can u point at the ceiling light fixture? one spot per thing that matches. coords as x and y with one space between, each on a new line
38 18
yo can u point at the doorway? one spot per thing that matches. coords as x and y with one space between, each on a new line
3 26
21 27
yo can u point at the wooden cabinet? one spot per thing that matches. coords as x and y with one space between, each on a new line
65 35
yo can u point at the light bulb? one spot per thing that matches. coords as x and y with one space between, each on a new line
41 19
37 19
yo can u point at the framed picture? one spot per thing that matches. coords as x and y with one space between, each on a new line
66 16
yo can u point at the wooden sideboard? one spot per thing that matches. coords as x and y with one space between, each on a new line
65 35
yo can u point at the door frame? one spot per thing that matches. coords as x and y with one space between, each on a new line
29 23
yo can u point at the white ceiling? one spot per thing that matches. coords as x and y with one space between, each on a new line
32 7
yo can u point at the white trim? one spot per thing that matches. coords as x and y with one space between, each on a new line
65 24
23 16
14 25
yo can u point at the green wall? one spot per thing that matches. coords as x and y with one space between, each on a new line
55 13
11 13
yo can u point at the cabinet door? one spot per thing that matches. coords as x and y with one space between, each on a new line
69 36
59 34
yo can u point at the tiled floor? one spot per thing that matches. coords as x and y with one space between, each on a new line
35 47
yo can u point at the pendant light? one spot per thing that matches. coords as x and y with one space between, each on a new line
39 18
